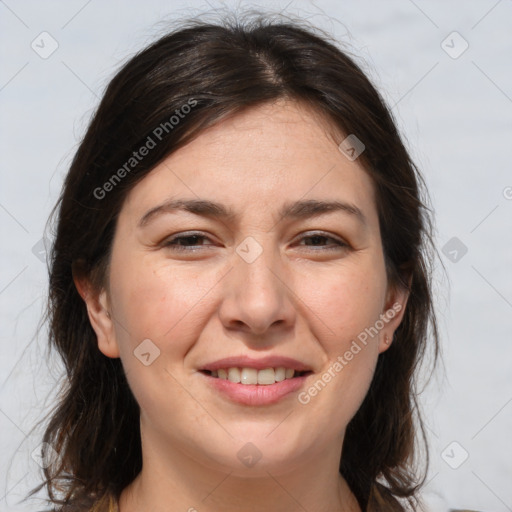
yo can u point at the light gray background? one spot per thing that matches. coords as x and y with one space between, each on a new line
456 114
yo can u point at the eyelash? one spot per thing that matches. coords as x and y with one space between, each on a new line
171 242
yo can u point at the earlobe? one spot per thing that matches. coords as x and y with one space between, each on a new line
98 310
396 303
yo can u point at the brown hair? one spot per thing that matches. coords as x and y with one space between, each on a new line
222 68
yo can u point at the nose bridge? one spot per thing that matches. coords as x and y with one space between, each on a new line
256 294
257 257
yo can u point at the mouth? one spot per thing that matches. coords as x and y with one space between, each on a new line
253 387
255 381
253 376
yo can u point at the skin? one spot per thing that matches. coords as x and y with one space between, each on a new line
301 298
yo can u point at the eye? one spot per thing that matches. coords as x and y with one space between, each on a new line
319 240
190 242
185 242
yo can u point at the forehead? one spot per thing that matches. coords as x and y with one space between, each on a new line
258 160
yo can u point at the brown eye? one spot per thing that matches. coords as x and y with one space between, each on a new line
320 240
187 242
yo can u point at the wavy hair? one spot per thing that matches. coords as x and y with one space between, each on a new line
226 67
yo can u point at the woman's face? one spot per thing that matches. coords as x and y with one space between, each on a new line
277 283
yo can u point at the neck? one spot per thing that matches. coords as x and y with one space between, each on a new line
173 480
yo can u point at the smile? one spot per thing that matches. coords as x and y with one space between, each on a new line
248 376
247 391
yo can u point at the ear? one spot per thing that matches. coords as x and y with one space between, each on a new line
100 315
392 314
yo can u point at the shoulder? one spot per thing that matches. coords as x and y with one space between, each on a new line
107 503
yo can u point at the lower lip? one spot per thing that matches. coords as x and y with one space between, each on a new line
255 394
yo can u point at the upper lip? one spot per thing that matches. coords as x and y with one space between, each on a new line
258 364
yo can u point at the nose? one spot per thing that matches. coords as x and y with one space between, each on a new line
258 296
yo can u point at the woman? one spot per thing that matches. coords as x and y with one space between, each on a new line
240 285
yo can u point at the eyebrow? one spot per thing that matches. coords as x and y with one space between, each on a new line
291 210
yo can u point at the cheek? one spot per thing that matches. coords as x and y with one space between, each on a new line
155 302
347 302
154 299
166 304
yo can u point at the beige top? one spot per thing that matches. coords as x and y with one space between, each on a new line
109 504
106 504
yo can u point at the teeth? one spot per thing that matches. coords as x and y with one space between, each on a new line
249 376
234 375
280 374
253 376
267 376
